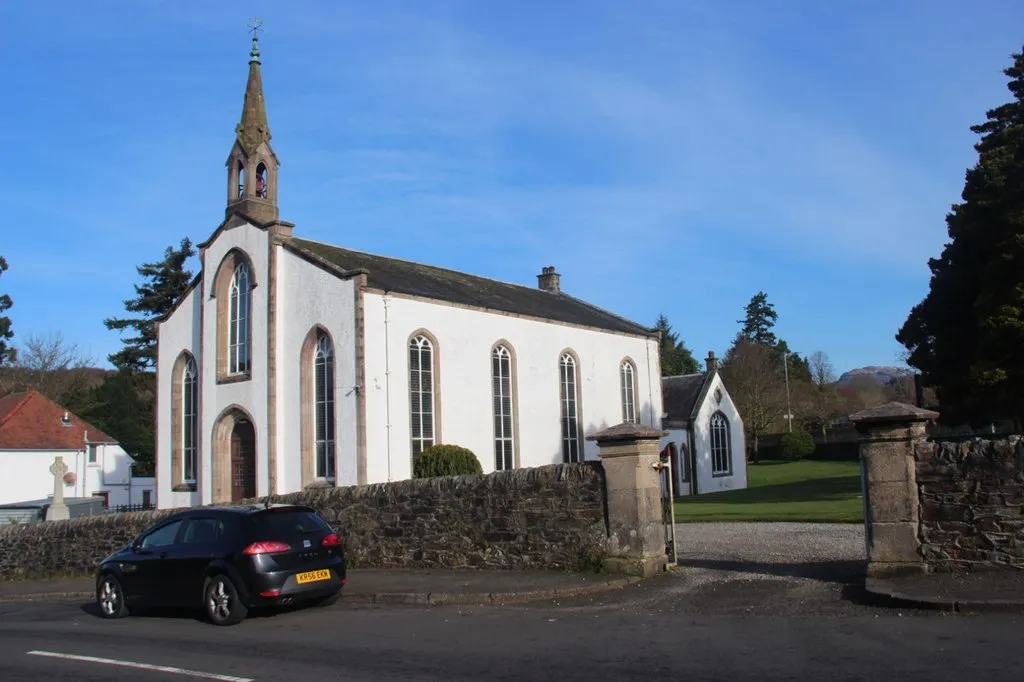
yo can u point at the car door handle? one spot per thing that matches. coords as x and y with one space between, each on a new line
163 555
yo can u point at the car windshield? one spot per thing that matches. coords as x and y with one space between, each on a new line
288 525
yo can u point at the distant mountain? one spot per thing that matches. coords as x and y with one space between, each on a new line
883 375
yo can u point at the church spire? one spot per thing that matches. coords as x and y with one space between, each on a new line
252 165
252 129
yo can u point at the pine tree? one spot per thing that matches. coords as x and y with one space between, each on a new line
759 327
676 358
759 321
967 335
168 281
6 351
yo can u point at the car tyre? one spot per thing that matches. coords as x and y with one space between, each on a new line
110 597
223 605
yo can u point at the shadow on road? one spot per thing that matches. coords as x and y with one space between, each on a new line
825 571
196 614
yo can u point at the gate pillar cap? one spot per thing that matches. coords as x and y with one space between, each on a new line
893 413
627 431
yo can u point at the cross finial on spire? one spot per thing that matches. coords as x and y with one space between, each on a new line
255 26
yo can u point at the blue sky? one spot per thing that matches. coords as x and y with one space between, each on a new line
670 156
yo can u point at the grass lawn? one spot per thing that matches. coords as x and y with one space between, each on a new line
784 491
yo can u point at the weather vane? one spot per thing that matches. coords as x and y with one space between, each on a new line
254 26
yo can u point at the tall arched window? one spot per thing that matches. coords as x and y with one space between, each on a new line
189 420
241 179
721 445
627 376
501 388
323 405
239 319
569 399
421 393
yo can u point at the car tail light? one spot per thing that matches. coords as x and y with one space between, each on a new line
267 547
331 540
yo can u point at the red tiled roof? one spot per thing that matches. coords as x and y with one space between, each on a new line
31 421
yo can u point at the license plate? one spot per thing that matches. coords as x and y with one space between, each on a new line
312 576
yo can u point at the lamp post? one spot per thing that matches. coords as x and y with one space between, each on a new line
789 408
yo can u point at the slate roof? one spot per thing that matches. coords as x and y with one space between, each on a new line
417 279
679 395
31 421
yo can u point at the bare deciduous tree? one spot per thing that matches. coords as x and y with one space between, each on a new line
823 372
756 384
50 365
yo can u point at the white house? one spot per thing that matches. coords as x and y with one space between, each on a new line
291 363
705 441
34 431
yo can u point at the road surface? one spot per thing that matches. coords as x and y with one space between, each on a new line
729 614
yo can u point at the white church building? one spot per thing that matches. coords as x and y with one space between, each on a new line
290 363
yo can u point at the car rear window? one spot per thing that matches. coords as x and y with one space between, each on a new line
288 525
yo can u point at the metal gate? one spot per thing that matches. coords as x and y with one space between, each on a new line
668 516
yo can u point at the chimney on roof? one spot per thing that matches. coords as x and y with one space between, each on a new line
711 361
549 280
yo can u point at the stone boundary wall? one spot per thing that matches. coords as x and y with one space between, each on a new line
550 517
971 503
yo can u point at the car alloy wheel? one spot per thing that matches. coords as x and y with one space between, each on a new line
110 598
222 603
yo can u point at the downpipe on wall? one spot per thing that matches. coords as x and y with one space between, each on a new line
650 385
387 383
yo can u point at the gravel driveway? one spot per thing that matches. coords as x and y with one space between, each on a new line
754 569
771 543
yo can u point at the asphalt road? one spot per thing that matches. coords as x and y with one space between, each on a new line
759 603
737 629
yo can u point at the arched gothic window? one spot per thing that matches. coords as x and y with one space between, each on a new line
421 393
239 321
627 376
501 389
323 406
721 445
241 179
189 419
569 400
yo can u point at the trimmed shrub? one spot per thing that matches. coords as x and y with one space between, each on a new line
446 460
796 445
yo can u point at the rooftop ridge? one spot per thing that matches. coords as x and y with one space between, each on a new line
436 267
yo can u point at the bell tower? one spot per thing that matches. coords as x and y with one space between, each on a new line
252 165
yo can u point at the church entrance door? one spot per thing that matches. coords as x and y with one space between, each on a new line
243 461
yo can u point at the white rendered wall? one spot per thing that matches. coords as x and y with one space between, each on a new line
27 474
179 332
309 296
465 338
250 395
681 439
706 482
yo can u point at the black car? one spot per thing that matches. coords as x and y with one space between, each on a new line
228 560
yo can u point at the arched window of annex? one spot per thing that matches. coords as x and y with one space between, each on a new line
627 389
721 444
505 406
184 422
424 406
232 287
317 407
570 406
